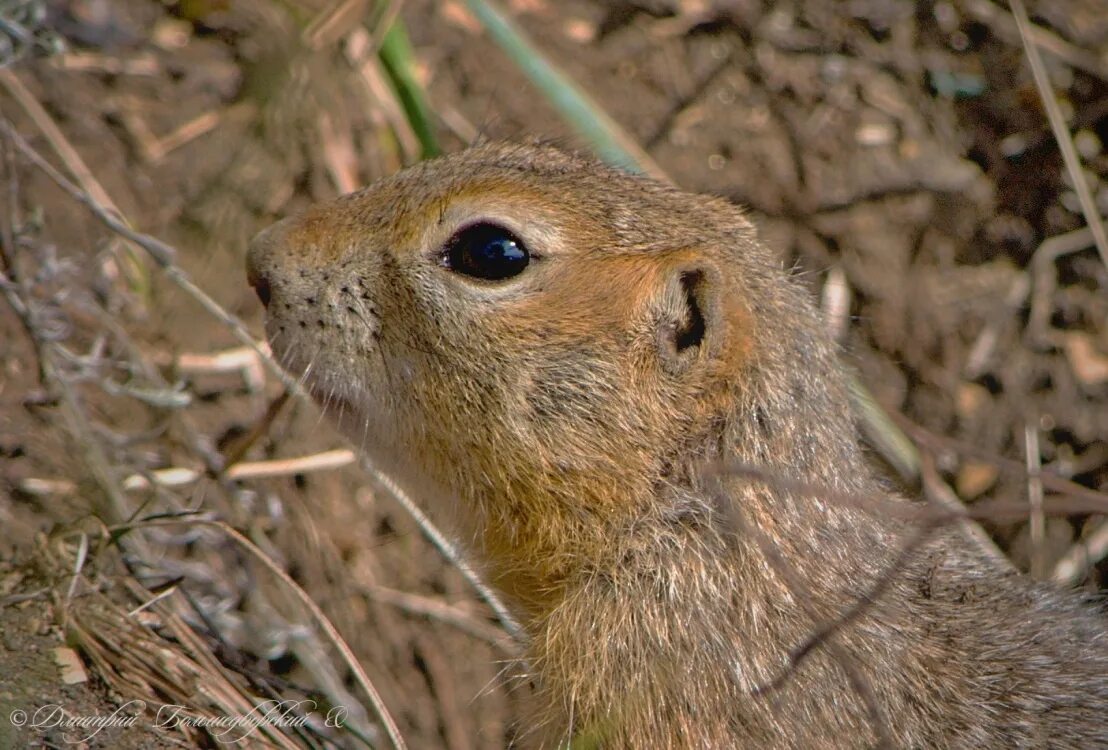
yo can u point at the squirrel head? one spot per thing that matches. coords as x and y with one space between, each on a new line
541 337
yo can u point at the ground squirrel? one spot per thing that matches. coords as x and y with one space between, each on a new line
553 351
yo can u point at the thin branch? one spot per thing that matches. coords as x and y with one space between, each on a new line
881 505
1006 28
332 633
1050 479
823 634
941 495
1082 555
1044 275
860 606
1035 500
445 613
1061 131
65 151
449 550
163 255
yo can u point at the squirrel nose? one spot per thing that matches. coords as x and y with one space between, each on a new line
257 277
260 260
261 287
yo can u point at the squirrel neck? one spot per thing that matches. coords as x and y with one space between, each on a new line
685 617
789 423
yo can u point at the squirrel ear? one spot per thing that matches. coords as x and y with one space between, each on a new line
691 323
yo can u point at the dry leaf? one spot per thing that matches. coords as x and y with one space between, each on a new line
73 670
975 478
1089 365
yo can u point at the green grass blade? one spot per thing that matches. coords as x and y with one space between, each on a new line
605 136
614 146
398 61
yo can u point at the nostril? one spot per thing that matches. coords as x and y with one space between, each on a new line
265 270
261 287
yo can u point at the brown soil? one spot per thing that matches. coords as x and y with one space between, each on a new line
898 146
33 695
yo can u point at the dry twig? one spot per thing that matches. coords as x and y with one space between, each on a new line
823 633
1008 29
1035 500
1061 132
941 495
131 263
1044 274
164 256
306 601
1069 570
446 613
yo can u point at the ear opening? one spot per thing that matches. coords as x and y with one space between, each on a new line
690 317
691 332
704 320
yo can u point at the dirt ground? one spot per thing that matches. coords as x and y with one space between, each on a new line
896 154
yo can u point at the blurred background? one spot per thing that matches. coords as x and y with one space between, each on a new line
897 154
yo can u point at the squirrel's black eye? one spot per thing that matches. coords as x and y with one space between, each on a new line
486 251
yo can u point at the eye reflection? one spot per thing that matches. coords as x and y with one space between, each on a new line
486 251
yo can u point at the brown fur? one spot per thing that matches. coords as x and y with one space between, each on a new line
550 415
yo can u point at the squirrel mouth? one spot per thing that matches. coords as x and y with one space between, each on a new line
291 359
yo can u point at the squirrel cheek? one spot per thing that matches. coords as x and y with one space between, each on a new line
736 347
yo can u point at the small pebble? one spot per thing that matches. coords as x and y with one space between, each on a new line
875 134
1087 144
1013 145
834 68
580 31
1070 202
946 16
